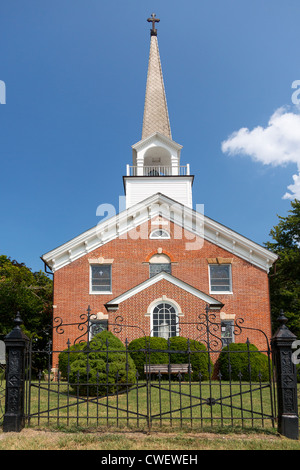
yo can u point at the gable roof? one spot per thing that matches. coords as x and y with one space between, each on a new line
159 204
154 139
173 280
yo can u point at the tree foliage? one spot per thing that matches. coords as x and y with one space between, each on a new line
28 292
285 274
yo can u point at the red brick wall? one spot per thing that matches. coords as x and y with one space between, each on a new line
249 301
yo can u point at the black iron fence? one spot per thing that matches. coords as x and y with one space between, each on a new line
151 382
2 391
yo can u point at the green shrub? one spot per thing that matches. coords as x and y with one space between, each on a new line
137 349
105 364
67 357
199 358
239 362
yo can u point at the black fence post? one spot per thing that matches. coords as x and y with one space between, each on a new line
16 345
286 377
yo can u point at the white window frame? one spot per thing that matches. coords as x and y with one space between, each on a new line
165 235
106 292
223 292
173 304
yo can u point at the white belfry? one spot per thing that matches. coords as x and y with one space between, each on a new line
156 164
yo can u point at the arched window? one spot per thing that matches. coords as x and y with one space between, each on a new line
164 320
159 263
159 233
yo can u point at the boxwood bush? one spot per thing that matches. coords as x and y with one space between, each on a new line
103 364
236 354
137 351
198 357
67 357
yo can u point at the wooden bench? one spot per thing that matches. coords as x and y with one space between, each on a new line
167 369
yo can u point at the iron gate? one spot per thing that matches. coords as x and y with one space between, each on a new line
211 380
2 377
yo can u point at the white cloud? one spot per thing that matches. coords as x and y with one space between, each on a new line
294 188
276 144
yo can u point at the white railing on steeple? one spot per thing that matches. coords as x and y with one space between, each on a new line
181 170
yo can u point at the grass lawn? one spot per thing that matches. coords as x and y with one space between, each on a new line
62 421
179 406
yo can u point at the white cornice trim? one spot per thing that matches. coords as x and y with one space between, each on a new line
159 204
156 136
173 280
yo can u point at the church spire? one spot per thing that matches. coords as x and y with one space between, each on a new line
156 117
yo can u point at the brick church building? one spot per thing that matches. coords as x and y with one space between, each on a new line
154 268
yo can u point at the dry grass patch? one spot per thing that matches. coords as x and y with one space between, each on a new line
31 439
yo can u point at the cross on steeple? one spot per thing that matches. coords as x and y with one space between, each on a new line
153 20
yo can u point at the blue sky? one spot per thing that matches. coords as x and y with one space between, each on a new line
75 76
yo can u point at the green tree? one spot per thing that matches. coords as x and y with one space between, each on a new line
285 274
28 292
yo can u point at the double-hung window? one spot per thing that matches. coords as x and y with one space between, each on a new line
100 278
220 278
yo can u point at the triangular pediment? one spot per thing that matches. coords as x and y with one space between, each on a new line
191 221
214 303
154 139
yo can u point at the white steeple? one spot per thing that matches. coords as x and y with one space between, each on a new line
156 158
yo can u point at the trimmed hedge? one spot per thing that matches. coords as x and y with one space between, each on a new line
137 349
199 358
236 354
106 361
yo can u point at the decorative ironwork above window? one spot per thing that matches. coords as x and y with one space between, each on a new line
97 326
227 332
